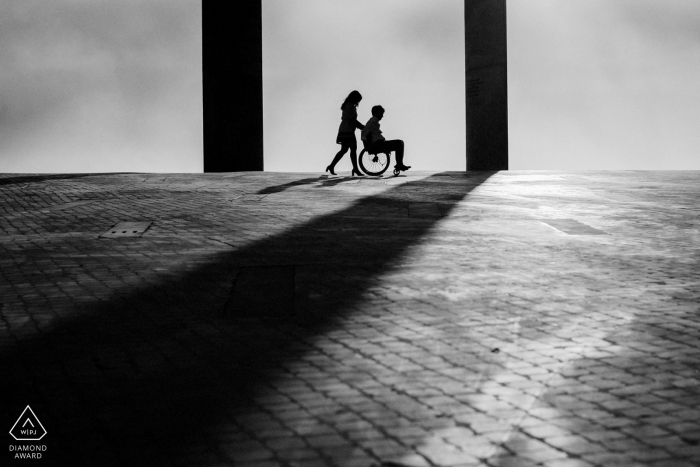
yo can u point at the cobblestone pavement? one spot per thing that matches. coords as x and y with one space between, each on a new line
441 319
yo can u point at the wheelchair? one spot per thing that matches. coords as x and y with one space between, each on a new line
374 162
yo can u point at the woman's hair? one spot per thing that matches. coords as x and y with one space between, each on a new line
353 97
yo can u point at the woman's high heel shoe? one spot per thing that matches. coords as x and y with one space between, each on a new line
330 169
357 173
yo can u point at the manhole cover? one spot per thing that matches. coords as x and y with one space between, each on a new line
572 227
127 229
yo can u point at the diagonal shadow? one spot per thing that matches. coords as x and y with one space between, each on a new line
324 182
136 379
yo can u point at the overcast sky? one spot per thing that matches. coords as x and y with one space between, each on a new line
604 84
593 84
406 55
98 85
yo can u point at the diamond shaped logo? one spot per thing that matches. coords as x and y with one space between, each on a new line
27 427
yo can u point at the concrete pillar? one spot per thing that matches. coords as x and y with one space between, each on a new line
232 81
486 84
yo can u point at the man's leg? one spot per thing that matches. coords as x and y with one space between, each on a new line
397 146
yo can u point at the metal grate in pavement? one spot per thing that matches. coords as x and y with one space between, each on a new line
127 229
572 227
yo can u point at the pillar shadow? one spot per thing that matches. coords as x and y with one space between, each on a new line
140 377
321 181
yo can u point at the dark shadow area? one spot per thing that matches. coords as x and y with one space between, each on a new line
143 377
16 179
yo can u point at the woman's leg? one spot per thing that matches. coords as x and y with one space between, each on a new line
343 149
353 158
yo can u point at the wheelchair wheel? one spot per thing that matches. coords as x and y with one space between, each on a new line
374 164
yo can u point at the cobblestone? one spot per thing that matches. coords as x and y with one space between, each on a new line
439 319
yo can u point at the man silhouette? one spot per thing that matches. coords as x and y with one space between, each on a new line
374 141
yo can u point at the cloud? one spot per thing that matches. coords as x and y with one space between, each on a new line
599 84
95 82
674 22
431 27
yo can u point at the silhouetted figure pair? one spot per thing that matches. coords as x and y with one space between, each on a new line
371 135
376 143
346 133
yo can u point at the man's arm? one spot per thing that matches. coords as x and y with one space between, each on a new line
376 132
372 133
367 131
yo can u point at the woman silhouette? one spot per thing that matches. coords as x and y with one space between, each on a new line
346 132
